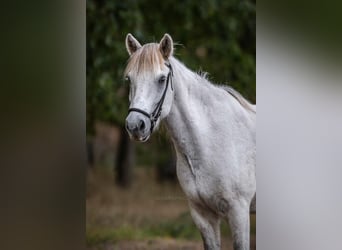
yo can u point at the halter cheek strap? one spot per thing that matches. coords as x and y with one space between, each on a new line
154 116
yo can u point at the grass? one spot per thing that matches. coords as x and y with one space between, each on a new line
181 228
104 235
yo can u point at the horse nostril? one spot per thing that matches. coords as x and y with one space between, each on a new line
141 125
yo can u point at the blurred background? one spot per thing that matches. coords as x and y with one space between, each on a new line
43 102
43 81
133 200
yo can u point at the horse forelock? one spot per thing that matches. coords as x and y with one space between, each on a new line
146 59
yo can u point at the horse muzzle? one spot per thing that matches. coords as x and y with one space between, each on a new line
138 127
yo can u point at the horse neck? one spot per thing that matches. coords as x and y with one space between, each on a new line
181 120
196 106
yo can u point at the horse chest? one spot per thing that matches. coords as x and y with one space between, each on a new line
198 185
186 176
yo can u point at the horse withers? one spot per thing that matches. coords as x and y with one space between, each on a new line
213 131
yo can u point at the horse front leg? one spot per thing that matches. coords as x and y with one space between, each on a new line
209 225
238 218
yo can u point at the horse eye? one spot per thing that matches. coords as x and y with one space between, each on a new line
127 79
162 79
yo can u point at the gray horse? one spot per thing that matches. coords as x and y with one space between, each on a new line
213 131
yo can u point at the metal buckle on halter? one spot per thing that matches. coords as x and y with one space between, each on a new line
158 114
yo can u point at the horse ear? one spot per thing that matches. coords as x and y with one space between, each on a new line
132 44
166 46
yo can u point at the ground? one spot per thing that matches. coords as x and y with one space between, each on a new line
147 216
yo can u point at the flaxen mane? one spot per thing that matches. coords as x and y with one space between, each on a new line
146 59
244 103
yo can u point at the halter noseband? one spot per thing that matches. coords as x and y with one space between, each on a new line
154 116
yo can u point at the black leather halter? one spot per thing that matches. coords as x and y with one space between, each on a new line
154 116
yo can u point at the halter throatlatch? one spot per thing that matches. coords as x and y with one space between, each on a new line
154 116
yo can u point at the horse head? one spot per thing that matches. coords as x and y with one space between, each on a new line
149 74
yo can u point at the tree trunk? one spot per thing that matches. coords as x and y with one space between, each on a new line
124 160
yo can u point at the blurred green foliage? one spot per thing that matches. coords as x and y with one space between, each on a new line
214 36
